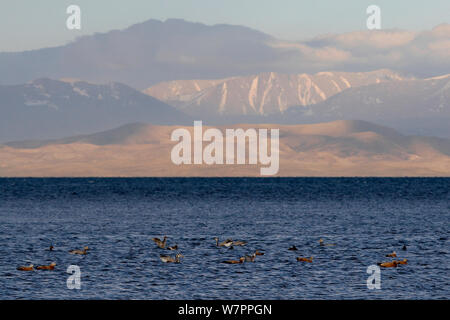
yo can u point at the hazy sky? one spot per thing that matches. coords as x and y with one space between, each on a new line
26 24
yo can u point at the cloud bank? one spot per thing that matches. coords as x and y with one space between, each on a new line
422 54
154 51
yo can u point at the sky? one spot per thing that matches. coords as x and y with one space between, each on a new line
26 24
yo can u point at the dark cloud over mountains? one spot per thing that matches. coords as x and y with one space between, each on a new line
155 51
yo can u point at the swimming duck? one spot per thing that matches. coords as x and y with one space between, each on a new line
250 258
310 259
322 243
227 243
392 255
239 243
83 252
293 248
392 264
51 266
175 247
169 259
51 248
241 260
26 268
160 243
258 253
404 261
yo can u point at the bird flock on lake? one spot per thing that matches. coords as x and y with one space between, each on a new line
228 243
52 265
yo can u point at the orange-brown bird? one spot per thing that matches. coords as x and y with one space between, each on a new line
404 261
392 255
310 259
82 252
258 253
392 264
241 260
51 266
26 268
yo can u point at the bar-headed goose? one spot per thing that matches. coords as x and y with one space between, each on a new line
227 243
322 243
160 243
169 259
82 252
239 243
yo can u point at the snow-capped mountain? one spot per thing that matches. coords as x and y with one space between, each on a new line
413 106
48 108
261 94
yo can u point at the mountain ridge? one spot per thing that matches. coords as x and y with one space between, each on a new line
413 106
263 93
152 51
339 148
46 108
143 54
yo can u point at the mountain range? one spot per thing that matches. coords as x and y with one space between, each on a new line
147 53
72 110
47 108
261 94
153 51
339 148
414 106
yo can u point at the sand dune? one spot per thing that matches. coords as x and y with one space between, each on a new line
339 148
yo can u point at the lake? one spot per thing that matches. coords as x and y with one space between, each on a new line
366 218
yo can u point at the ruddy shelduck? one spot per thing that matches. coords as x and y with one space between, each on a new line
51 266
310 259
26 268
82 252
241 260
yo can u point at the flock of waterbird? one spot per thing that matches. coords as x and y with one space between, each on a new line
228 243
52 265
393 263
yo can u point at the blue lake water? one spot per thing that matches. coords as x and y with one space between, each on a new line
366 218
